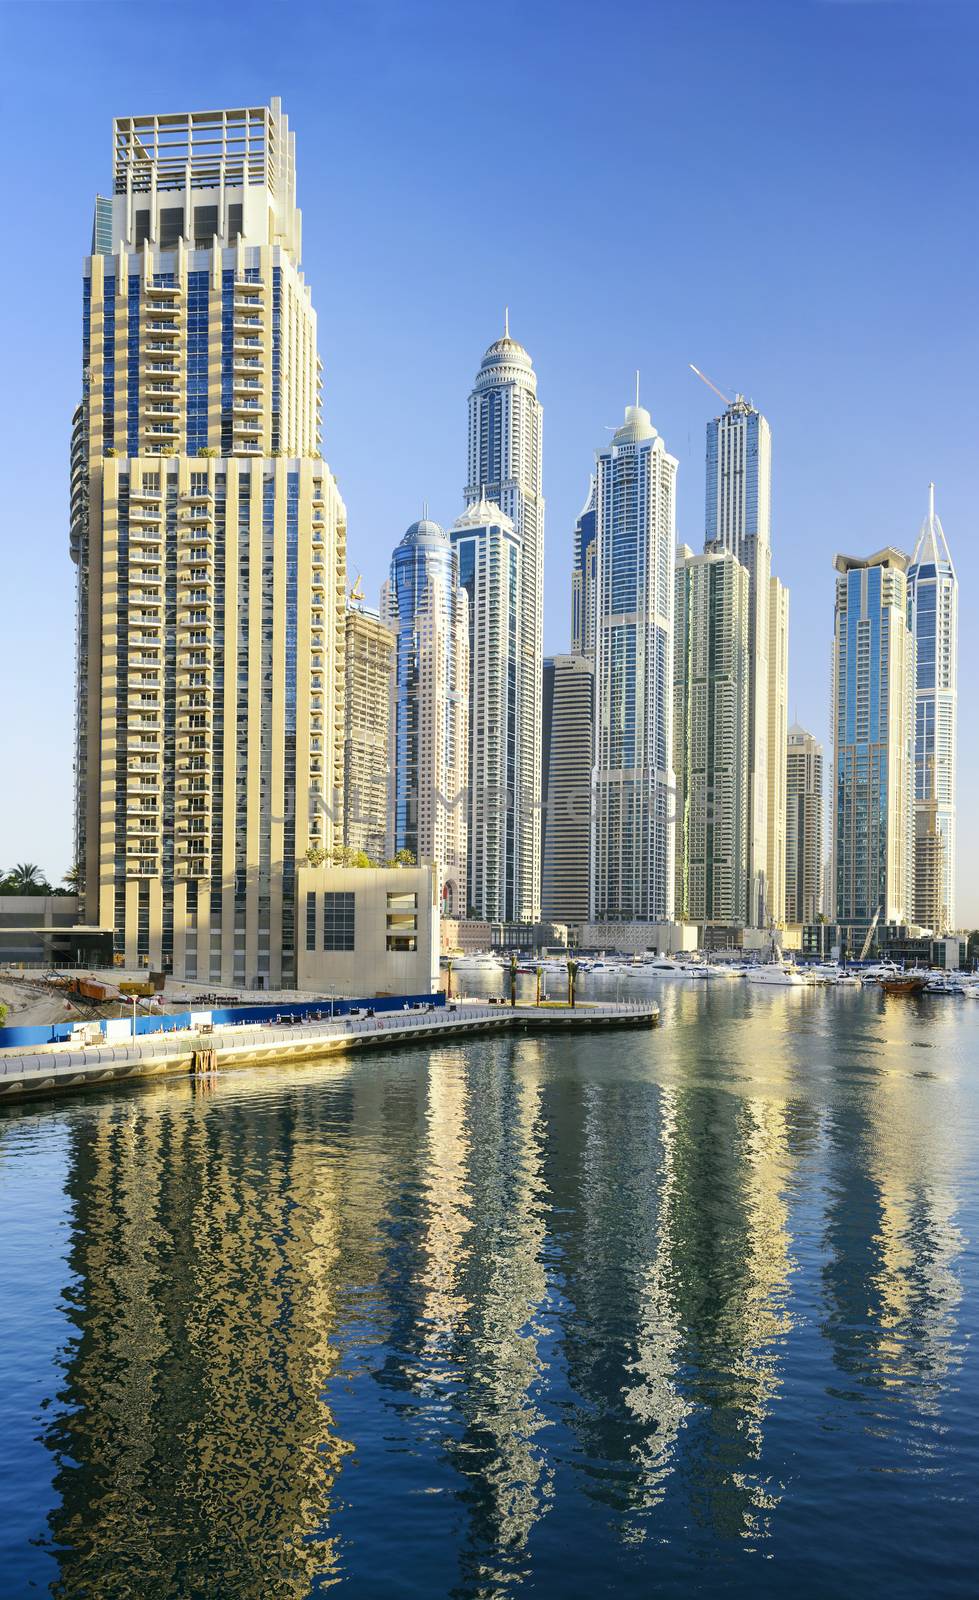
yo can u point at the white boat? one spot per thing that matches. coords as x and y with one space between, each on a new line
777 972
476 963
663 966
695 969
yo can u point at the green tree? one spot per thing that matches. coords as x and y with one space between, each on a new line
4 1013
26 878
73 881
404 858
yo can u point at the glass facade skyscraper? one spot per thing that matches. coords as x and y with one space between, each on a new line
634 790
426 609
873 741
583 576
933 593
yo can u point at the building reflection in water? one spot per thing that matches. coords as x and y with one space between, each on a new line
192 1436
890 1277
566 1277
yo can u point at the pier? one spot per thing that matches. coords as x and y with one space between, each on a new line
61 1068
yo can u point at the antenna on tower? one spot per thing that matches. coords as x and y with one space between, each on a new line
506 322
704 379
424 510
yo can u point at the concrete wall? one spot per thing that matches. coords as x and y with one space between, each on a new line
38 910
395 930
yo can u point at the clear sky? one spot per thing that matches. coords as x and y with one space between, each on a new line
781 191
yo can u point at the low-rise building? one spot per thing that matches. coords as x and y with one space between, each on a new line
368 930
39 930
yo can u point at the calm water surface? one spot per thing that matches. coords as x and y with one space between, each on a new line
679 1312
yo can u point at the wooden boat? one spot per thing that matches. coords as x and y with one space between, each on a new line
903 985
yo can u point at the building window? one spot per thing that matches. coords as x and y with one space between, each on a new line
311 922
338 921
402 921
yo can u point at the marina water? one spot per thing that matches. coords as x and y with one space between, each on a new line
688 1311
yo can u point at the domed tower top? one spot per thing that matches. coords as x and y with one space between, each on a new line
506 361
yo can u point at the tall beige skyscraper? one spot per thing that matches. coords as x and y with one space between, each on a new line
778 726
367 719
210 541
711 686
803 827
569 714
504 467
738 518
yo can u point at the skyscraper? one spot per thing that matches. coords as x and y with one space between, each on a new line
873 740
803 827
634 790
934 598
710 736
490 553
426 609
504 465
211 576
778 725
367 715
583 574
569 683
738 518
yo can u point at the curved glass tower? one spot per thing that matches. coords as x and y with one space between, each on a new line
933 600
427 611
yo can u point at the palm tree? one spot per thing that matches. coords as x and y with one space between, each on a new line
26 878
72 880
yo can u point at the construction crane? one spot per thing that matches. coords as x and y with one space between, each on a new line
357 592
870 934
704 379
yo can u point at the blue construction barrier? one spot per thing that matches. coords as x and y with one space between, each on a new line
174 1021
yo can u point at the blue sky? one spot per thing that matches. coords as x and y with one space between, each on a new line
781 191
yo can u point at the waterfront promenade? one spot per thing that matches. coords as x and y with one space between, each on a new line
58 1068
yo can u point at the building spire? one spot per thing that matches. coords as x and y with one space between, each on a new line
506 322
931 502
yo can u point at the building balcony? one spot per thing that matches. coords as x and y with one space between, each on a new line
248 291
196 498
167 307
159 409
160 291
245 344
160 434
145 497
